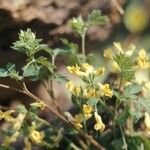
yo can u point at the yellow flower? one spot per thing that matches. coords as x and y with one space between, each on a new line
10 139
89 93
76 70
18 121
108 54
87 110
27 143
100 71
73 89
147 122
117 45
77 120
87 68
40 105
115 67
99 126
6 115
142 60
105 90
36 136
70 85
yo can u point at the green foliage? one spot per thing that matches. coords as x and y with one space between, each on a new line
126 66
94 18
28 43
131 90
10 71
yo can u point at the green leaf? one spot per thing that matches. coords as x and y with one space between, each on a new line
10 71
35 71
21 109
71 47
43 61
78 25
3 72
60 78
123 117
28 43
92 101
96 18
132 89
126 66
144 104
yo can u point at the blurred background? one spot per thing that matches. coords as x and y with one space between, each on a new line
129 23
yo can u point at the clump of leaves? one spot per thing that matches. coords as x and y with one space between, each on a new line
107 115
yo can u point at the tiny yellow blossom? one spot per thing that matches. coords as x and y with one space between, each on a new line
27 143
147 122
117 45
87 110
89 93
40 105
105 90
36 136
76 70
108 54
10 139
18 121
87 68
142 60
70 85
115 67
78 118
100 71
76 121
99 126
72 88
6 115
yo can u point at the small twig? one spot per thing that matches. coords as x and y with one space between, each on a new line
120 9
28 93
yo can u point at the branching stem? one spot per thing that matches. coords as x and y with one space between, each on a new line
28 93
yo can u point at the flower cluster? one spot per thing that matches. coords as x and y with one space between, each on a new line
141 61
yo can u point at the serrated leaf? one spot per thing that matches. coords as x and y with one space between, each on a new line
132 89
96 18
144 104
43 61
126 66
10 71
57 51
35 72
27 43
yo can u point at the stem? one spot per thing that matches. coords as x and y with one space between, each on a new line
120 9
28 93
125 146
83 44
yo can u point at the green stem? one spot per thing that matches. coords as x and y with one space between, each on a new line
83 44
125 146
